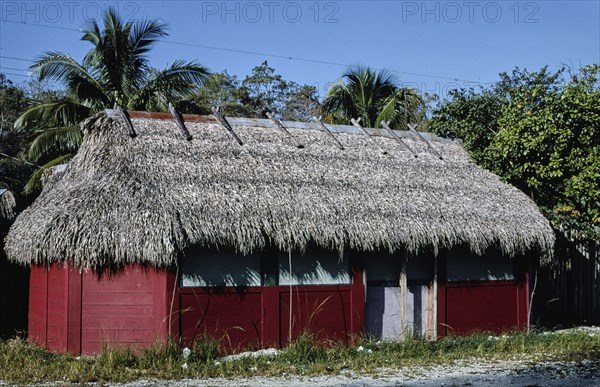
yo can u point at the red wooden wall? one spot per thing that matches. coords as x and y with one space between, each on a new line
255 317
483 306
80 313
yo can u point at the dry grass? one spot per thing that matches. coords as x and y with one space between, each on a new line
23 363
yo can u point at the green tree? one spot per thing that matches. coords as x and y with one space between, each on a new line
540 131
220 90
266 91
13 172
301 104
260 92
115 71
374 97
12 103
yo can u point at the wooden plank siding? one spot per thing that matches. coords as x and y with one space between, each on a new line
80 313
567 292
258 316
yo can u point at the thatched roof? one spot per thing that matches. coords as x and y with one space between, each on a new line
7 204
145 199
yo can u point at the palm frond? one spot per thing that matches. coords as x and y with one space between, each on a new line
388 111
144 34
61 139
177 82
62 112
64 69
35 179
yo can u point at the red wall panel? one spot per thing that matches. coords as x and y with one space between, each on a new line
233 317
80 313
256 317
487 306
38 301
127 308
324 313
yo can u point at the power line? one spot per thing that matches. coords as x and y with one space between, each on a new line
310 60
41 25
264 54
16 75
16 58
13 68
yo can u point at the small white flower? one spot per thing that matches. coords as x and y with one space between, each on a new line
184 366
217 362
186 352
360 349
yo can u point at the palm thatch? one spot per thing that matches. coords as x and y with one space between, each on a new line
7 204
145 199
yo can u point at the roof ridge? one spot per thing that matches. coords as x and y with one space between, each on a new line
268 123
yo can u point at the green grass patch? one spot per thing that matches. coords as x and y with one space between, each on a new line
23 363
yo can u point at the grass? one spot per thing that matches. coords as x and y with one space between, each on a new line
23 363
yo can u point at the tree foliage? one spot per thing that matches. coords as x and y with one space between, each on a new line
115 71
13 173
373 97
540 131
259 93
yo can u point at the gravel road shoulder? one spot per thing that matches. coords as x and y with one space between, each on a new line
476 373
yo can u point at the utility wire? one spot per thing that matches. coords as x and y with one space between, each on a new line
16 58
13 68
264 54
16 75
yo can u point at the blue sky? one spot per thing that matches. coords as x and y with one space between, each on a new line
432 45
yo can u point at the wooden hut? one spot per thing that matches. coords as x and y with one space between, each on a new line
254 231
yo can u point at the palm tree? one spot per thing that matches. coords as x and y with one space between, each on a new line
114 72
374 97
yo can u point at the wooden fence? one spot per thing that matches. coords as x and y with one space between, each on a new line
567 292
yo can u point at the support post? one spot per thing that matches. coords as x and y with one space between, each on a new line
403 292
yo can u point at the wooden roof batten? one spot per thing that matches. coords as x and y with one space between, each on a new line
326 129
356 123
413 128
223 121
125 119
284 130
178 117
386 125
268 123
